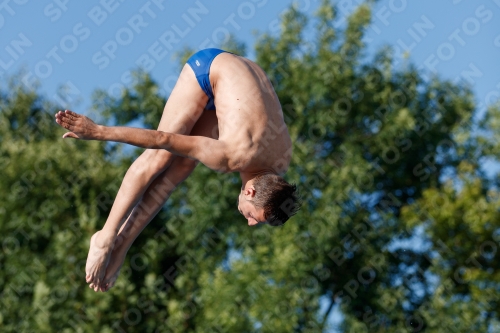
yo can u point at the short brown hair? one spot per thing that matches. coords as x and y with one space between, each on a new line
278 198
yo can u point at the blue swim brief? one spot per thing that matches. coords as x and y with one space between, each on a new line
200 63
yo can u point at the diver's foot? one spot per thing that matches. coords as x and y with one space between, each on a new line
115 264
101 246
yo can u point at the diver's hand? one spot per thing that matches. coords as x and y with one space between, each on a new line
80 127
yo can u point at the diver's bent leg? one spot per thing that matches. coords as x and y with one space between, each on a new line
139 176
182 111
153 199
155 196
137 179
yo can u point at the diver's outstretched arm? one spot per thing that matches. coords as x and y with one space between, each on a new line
212 153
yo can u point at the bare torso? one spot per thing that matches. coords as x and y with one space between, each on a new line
250 116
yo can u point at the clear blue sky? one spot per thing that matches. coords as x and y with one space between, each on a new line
93 44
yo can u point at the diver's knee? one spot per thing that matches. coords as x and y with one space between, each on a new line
152 162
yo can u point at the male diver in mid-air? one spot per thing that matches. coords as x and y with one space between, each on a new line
246 133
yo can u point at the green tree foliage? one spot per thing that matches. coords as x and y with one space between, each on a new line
398 230
54 194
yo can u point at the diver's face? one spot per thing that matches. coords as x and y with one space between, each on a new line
253 214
